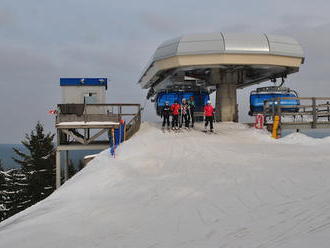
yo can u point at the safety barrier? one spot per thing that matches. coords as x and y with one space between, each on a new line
311 113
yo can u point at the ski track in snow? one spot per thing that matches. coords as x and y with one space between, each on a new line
235 188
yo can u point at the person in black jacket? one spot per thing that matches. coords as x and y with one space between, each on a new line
192 110
165 114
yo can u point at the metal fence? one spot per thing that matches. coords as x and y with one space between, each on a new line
311 112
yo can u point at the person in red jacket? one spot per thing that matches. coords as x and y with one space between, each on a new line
209 114
175 108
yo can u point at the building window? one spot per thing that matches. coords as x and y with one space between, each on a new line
90 98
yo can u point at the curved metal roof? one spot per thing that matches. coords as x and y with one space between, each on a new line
268 56
229 43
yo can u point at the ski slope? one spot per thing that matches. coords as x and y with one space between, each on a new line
236 188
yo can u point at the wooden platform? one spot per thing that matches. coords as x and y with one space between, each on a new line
91 127
90 124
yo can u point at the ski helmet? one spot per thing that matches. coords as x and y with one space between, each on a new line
208 102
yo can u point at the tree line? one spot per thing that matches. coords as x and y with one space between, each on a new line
34 180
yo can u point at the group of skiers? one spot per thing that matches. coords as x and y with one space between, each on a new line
184 113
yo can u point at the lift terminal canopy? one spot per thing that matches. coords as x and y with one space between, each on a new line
257 57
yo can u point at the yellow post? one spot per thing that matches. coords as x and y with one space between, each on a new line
276 124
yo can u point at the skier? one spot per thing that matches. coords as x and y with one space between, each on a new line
208 113
175 107
165 114
191 111
184 113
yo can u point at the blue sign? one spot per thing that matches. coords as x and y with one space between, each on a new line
84 81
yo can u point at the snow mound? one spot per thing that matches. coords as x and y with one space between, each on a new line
302 139
235 188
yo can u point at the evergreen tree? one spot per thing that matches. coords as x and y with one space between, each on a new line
2 193
37 166
16 192
13 188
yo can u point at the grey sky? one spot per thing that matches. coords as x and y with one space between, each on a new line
43 40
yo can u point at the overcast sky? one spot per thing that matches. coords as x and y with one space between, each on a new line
43 40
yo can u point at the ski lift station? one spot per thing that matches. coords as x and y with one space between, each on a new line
192 66
220 62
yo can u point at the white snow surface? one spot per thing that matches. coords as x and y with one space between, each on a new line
235 188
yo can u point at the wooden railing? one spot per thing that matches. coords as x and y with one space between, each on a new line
133 126
113 112
312 112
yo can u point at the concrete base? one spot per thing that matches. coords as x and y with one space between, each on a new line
226 103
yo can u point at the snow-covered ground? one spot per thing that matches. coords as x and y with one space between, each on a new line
236 188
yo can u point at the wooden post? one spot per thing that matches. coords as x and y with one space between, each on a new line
66 166
314 113
120 112
125 131
58 169
85 135
113 142
328 109
84 113
58 161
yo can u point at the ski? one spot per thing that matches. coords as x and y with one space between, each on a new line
166 130
208 132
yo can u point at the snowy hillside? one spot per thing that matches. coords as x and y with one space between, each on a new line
238 188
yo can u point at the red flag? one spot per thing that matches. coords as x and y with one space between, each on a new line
52 112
